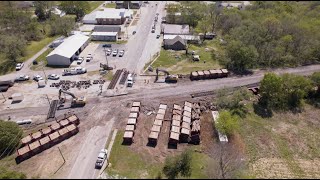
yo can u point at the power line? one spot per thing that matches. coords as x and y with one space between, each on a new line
11 143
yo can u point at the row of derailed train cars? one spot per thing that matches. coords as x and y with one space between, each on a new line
46 138
132 123
209 74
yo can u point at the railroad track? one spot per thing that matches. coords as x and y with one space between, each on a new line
115 79
124 77
208 93
53 109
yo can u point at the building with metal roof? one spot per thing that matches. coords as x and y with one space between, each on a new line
66 52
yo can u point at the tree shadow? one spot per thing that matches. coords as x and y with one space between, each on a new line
241 73
262 111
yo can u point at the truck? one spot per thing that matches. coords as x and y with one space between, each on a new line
73 71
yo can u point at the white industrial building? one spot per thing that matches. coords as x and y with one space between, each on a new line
104 36
109 16
65 53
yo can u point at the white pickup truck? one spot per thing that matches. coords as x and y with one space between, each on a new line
73 71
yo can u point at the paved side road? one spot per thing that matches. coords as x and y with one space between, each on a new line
84 165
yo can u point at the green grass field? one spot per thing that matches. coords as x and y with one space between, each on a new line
177 62
110 5
94 5
42 60
126 163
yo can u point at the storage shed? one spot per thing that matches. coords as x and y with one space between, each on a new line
73 129
135 109
184 135
200 74
194 75
225 72
186 125
206 74
64 133
23 153
66 52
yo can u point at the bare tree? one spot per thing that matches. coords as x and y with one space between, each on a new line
226 161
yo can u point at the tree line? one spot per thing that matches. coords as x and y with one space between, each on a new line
264 35
19 27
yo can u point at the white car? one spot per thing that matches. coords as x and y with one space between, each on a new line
22 78
19 66
121 53
79 61
89 57
80 70
53 76
130 81
101 158
115 52
37 78
109 52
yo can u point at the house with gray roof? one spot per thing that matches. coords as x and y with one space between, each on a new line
176 43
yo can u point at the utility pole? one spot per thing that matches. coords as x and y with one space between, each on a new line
48 99
3 97
105 53
45 76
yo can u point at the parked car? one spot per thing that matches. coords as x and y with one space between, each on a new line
130 81
158 36
80 70
80 60
134 32
153 30
106 45
37 77
115 52
34 62
53 76
102 157
19 66
109 51
22 78
89 57
121 53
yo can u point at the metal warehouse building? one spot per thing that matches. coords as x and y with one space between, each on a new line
104 36
65 53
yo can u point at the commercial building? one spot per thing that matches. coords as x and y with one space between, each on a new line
66 52
109 16
104 36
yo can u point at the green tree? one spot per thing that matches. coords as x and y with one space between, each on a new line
7 174
240 56
179 165
61 26
271 91
14 47
43 9
315 77
227 123
79 8
11 135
